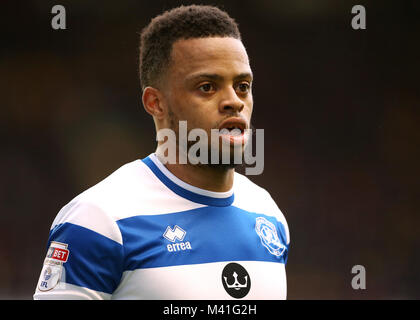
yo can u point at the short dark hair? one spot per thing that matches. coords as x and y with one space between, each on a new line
184 22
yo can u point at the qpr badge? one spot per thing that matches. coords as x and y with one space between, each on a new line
269 238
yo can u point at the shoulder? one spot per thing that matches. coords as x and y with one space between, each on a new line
252 197
98 207
88 215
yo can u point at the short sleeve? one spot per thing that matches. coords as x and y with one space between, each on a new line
84 258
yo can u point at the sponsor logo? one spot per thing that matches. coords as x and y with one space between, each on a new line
51 273
236 280
58 254
174 234
269 238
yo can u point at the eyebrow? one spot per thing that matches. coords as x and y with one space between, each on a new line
218 77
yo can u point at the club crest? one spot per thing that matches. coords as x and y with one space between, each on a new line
269 238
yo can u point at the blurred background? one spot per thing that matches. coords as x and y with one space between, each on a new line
340 109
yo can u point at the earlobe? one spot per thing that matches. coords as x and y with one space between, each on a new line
152 102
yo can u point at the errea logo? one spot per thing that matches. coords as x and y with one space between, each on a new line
173 234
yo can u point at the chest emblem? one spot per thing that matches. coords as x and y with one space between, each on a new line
236 280
269 237
177 233
176 236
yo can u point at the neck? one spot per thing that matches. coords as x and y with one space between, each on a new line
211 178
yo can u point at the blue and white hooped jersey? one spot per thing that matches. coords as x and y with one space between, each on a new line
142 233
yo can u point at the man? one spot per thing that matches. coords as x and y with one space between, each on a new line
158 229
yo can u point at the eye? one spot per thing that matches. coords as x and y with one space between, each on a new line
206 87
243 87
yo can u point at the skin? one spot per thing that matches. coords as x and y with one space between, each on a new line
208 81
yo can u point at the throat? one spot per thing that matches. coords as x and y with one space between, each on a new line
212 178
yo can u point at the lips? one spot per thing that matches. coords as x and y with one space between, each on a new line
234 125
233 130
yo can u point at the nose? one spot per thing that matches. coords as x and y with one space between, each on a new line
231 103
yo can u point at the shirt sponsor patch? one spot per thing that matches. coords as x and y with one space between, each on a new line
57 255
58 251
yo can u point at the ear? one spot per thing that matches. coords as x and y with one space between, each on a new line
153 102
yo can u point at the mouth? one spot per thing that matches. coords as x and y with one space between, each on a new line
230 124
233 129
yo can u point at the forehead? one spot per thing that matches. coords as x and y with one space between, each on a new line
224 56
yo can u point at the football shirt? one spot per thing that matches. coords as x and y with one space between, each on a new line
142 233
